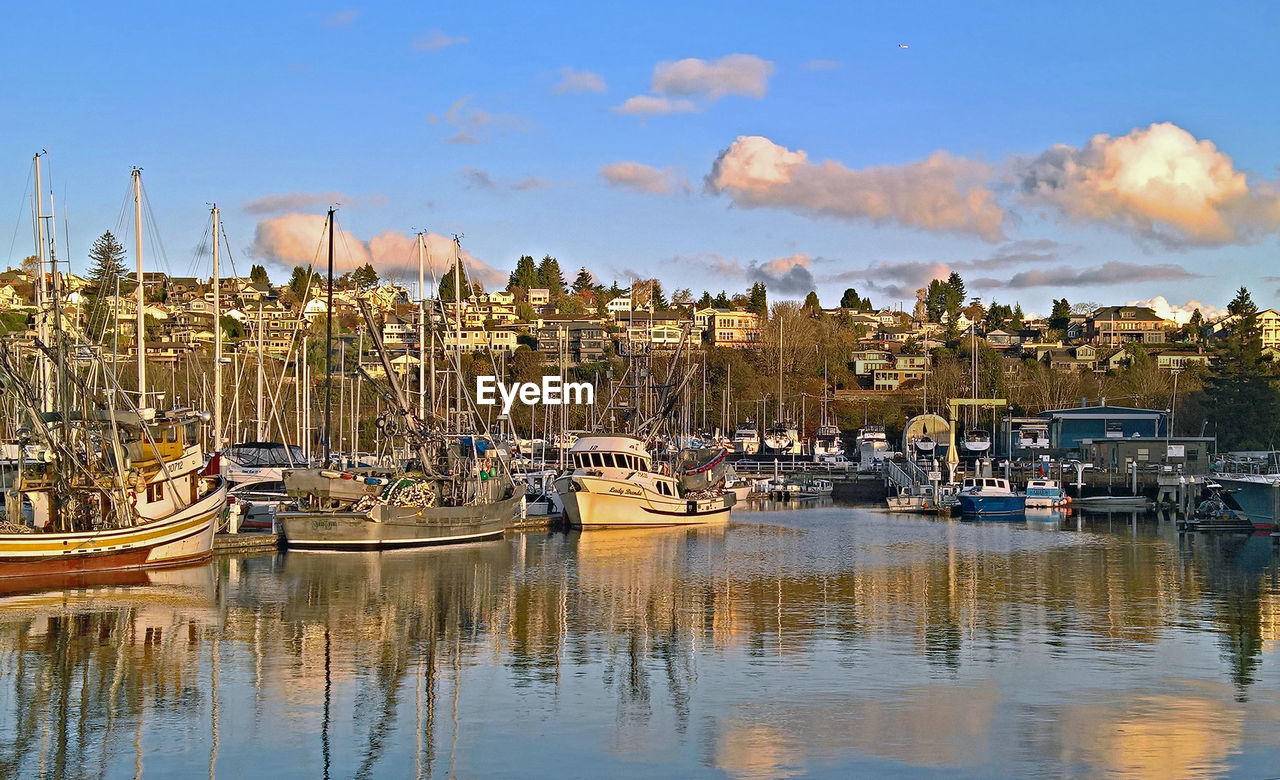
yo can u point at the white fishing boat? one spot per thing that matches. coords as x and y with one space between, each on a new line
613 483
782 438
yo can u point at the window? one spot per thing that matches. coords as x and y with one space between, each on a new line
155 491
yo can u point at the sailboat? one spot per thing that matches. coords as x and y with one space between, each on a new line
102 483
455 489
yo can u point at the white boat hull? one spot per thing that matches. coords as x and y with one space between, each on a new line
597 502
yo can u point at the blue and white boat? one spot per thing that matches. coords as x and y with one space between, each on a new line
990 496
1257 494
1046 493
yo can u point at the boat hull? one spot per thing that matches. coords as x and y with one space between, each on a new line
183 537
592 502
985 506
397 527
1258 497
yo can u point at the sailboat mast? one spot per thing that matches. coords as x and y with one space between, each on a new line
259 429
217 338
422 331
779 368
140 320
328 348
41 291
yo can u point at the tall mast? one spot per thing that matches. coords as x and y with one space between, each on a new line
779 368
41 291
217 338
259 430
140 321
328 347
422 332
457 308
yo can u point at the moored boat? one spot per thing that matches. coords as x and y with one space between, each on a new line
1046 493
613 483
989 496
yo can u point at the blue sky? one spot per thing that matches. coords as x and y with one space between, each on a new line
265 103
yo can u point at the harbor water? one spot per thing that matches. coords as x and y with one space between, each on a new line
823 641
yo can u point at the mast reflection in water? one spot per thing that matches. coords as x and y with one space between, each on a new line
790 642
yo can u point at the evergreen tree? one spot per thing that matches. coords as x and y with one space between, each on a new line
365 276
706 300
657 297
1060 316
1195 325
850 300
550 277
957 286
525 275
1242 400
446 291
584 281
935 300
107 259
758 299
811 301
298 282
258 274
1018 319
722 301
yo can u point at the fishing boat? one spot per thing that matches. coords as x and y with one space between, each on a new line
452 488
614 484
746 439
989 496
1046 493
103 482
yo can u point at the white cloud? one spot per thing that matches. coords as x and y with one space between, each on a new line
644 178
1179 313
733 74
942 193
1159 181
648 104
688 85
784 275
436 40
573 81
298 239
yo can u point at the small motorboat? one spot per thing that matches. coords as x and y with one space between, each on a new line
990 496
1046 493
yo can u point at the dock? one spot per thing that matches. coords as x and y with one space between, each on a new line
246 542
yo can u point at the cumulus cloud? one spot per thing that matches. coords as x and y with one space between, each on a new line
435 40
1114 272
572 81
685 86
643 178
1159 181
342 18
298 239
784 275
296 201
1179 313
478 179
942 193
650 105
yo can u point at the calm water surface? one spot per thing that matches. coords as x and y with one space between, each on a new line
827 641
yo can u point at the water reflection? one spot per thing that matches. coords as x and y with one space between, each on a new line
785 643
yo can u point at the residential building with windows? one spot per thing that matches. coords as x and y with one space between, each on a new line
1114 326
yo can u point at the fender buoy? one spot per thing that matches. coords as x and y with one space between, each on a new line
924 505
